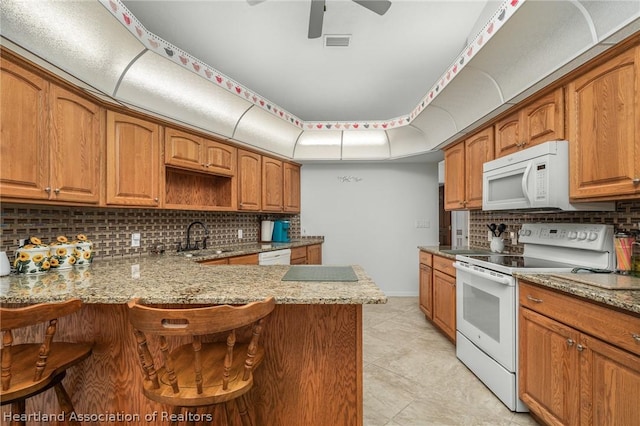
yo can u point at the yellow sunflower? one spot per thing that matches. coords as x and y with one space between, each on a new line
54 262
35 240
76 252
81 237
61 251
72 260
46 264
29 246
62 239
86 254
24 257
38 258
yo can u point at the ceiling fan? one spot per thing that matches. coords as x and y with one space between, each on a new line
318 8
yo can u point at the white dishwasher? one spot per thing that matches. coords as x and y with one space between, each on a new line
275 257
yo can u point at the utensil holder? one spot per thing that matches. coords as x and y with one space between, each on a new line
497 245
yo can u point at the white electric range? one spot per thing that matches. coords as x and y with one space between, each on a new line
487 296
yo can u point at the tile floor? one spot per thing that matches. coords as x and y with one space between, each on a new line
412 375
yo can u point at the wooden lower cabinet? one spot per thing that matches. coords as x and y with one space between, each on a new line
314 254
247 259
425 289
444 303
299 256
568 376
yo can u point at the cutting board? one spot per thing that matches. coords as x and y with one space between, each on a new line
320 273
608 281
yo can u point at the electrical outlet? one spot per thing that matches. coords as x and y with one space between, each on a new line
135 239
514 238
421 223
239 234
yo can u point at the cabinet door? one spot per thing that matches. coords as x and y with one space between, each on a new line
549 369
182 149
444 303
291 188
272 184
76 147
220 158
611 384
24 151
249 259
426 291
249 180
314 254
133 161
543 120
478 149
454 179
604 121
509 135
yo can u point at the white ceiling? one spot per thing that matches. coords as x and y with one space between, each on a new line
391 63
424 74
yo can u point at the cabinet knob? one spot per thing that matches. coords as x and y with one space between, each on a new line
636 337
570 342
47 189
156 199
636 181
580 348
57 190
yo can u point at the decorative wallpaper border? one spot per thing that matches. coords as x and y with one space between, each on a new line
192 64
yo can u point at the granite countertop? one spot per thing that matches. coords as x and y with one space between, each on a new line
628 300
453 250
176 279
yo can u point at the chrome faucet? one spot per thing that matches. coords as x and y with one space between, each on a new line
204 240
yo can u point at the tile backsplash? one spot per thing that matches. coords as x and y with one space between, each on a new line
626 217
110 229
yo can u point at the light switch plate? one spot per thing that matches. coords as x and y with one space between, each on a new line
135 239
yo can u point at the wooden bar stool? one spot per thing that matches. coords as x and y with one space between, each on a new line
31 368
200 373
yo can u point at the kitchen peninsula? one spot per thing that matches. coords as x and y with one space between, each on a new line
312 373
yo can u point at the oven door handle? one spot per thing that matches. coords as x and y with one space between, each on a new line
500 279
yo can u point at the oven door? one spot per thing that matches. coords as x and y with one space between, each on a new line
486 311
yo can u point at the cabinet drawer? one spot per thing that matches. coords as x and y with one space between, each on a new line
444 264
426 258
615 327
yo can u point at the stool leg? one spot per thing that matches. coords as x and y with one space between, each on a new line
18 407
241 402
65 403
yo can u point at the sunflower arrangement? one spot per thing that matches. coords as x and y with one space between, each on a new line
62 255
83 250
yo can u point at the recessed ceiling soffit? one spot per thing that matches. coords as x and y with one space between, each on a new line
172 53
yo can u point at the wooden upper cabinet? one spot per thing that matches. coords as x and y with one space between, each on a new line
76 147
133 161
463 170
272 184
189 151
478 150
603 126
51 145
24 151
539 121
249 180
454 178
291 187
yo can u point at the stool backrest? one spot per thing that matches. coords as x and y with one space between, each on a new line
196 322
12 319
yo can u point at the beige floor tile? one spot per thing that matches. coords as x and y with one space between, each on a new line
412 375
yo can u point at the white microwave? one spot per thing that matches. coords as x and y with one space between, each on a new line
534 178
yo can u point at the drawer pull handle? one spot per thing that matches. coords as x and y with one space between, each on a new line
570 342
636 337
533 299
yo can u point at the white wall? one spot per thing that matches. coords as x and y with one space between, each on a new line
372 222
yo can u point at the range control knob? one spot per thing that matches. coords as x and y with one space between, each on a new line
572 235
525 232
592 236
582 235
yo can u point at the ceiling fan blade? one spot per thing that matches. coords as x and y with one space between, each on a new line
315 18
378 6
